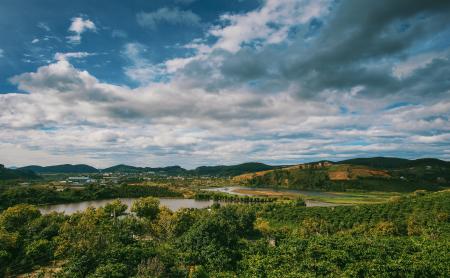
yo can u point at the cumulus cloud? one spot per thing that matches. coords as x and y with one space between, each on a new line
78 26
2 53
288 82
165 15
270 24
77 55
141 69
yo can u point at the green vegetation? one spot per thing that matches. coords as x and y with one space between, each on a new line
11 174
395 163
355 197
406 237
146 207
354 178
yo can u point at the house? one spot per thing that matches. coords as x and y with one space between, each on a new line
79 180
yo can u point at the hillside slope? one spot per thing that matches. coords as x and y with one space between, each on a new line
16 174
232 170
121 168
326 175
58 169
395 163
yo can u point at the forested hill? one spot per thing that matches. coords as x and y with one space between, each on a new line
121 168
58 169
221 170
233 170
375 174
396 163
218 171
16 174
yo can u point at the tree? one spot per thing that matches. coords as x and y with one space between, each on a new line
115 208
152 267
110 270
147 207
17 217
39 251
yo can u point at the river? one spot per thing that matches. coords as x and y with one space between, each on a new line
173 204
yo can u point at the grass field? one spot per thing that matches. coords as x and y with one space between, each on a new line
355 197
328 197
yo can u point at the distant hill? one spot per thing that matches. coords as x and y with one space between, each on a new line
376 174
121 168
16 174
395 163
60 169
232 170
218 171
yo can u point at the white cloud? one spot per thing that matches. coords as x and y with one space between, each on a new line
407 67
169 16
65 56
441 138
165 122
141 69
35 41
270 24
78 26
205 114
2 53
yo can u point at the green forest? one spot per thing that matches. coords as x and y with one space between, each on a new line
409 236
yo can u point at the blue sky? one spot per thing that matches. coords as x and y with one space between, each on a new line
193 82
36 30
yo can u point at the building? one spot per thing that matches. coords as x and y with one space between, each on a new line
79 180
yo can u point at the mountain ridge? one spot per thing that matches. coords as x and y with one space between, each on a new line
387 163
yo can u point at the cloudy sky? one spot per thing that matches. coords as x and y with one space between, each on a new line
194 82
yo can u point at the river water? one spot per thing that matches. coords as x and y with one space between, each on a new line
174 203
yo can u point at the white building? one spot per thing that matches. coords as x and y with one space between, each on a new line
79 180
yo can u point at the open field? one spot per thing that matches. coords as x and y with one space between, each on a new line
356 197
328 197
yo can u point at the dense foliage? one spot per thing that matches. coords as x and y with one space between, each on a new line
406 237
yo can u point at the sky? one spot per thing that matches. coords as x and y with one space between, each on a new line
200 82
